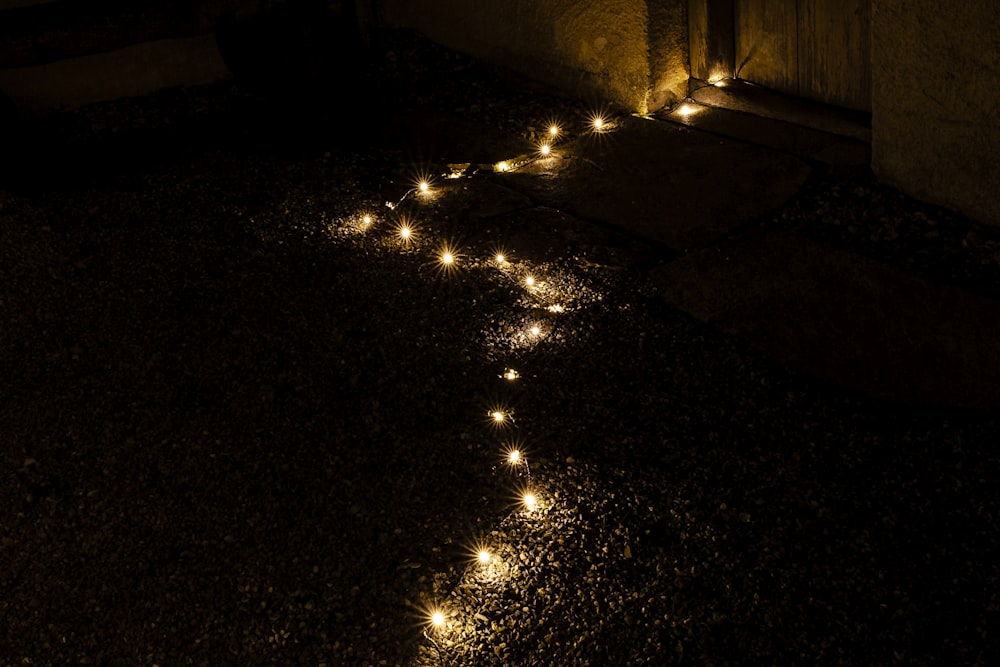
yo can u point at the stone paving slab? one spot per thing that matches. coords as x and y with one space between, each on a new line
666 183
857 322
818 145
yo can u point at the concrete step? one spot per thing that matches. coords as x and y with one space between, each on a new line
739 95
674 186
809 306
815 145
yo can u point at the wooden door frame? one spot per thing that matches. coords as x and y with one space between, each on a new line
711 39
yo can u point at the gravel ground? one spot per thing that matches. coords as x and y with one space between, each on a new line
241 426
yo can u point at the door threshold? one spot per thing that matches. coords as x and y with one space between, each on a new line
739 95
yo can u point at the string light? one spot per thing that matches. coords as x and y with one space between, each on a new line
598 123
484 557
500 416
447 259
687 109
553 130
510 375
501 166
514 457
544 150
437 619
530 501
529 281
499 258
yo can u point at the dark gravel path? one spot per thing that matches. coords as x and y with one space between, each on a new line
240 427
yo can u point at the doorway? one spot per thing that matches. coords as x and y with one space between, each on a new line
814 49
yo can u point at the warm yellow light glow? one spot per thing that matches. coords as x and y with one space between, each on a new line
501 166
514 456
556 309
447 258
405 230
437 619
686 110
530 501
529 281
484 556
544 149
536 330
511 375
598 123
498 417
553 130
367 219
500 259
424 186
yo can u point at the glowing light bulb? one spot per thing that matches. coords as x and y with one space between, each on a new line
500 259
510 374
535 330
514 457
447 258
685 110
598 123
529 281
484 556
367 219
437 619
502 166
544 149
498 417
530 502
424 186
553 130
405 232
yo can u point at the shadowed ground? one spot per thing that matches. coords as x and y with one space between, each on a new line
242 427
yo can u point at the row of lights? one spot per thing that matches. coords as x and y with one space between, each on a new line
499 416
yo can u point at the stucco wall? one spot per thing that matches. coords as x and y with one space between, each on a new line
594 49
935 117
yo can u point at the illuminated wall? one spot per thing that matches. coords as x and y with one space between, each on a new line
631 52
935 117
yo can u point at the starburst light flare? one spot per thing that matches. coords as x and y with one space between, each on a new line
598 123
510 375
530 501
